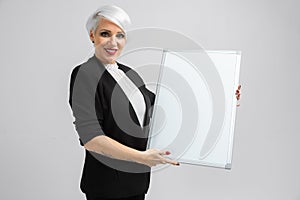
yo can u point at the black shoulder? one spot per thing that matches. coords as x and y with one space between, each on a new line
128 69
124 67
72 80
132 74
75 71
74 74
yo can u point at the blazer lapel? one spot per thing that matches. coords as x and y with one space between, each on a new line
139 84
142 88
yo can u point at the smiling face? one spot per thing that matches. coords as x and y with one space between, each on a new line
109 40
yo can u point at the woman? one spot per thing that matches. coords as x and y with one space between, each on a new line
111 106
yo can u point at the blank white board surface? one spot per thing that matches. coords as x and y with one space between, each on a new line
195 106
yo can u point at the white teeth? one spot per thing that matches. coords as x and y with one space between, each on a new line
111 50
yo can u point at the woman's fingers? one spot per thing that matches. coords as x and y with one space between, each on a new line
158 157
167 160
164 152
238 94
173 162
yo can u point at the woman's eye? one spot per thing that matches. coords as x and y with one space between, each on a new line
120 35
104 34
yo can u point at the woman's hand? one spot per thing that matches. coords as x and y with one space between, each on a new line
152 157
238 94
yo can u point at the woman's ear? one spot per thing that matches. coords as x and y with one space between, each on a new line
92 36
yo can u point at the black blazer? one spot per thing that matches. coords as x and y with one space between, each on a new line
100 107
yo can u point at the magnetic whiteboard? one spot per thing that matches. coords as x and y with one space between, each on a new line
195 106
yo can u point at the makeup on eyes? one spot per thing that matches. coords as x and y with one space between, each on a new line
106 33
105 30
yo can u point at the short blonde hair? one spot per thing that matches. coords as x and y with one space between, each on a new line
110 12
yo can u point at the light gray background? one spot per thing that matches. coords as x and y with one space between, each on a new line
41 41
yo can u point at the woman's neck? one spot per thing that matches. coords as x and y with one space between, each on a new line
105 62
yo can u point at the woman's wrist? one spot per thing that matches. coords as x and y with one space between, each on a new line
139 157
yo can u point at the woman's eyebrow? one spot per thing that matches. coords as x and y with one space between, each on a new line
110 31
105 30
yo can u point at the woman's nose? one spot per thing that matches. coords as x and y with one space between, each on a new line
113 40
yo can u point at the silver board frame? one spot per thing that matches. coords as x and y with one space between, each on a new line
228 71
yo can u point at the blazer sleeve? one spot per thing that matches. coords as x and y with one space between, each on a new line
84 101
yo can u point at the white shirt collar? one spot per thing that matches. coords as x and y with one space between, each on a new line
111 66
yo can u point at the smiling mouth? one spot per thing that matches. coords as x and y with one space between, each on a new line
111 51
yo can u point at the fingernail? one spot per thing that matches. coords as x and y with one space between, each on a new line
168 152
177 164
